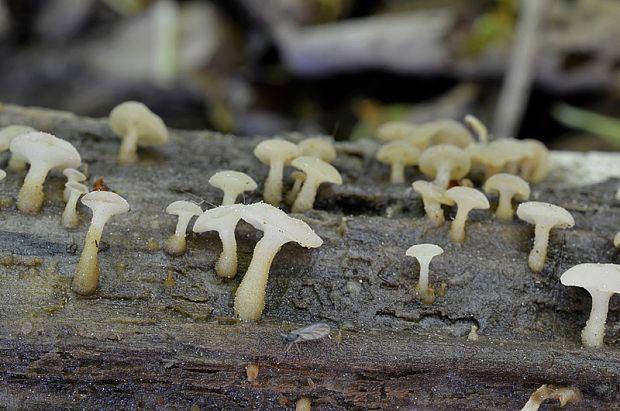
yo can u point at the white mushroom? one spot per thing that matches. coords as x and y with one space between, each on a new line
432 197
508 186
2 175
137 126
104 205
544 216
478 127
223 219
278 230
72 175
451 132
232 183
601 281
185 210
44 152
398 154
444 162
70 218
466 199
317 172
276 154
7 134
320 147
298 180
424 253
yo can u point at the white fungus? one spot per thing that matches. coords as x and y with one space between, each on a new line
466 199
276 154
232 183
424 253
176 244
70 218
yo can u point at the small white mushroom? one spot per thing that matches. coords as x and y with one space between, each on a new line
317 172
298 180
70 218
223 219
276 154
2 175
418 135
444 162
601 281
432 197
478 127
44 152
424 253
537 164
7 134
175 244
451 132
72 175
466 199
398 154
544 216
278 230
320 147
508 186
104 205
137 126
232 183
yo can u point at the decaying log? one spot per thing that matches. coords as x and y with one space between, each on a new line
160 333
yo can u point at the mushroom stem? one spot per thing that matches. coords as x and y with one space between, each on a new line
30 197
128 153
176 244
594 331
442 178
70 217
538 255
230 197
16 164
427 294
251 290
397 175
434 212
272 192
226 265
305 198
86 276
294 191
504 207
457 228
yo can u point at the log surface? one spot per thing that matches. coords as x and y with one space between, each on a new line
160 331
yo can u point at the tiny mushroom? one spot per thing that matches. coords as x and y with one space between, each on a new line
137 126
7 134
44 152
478 127
544 216
70 218
72 175
466 199
536 165
418 135
317 172
601 281
222 219
451 132
424 253
398 154
232 183
319 147
278 230
175 244
444 162
104 205
508 186
432 197
276 154
292 194
2 175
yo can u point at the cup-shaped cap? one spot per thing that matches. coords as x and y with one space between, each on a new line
466 197
7 134
133 116
424 251
593 277
105 203
399 152
182 207
74 186
43 148
317 170
509 184
320 147
269 150
451 132
219 218
73 175
550 215
235 181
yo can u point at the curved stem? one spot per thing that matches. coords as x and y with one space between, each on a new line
70 217
594 332
30 197
226 265
294 191
397 175
272 193
457 228
129 148
538 255
307 195
86 276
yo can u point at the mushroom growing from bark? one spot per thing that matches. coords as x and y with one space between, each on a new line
70 218
232 183
424 253
398 154
319 147
508 187
601 281
276 154
104 205
552 392
223 219
43 152
544 216
451 132
72 175
137 126
418 135
466 199
444 162
432 197
278 229
298 180
7 134
175 244
317 172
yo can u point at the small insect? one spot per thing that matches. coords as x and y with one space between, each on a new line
100 185
309 333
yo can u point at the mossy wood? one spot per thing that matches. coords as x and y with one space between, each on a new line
160 334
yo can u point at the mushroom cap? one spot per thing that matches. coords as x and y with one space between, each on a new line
597 277
536 212
267 150
451 132
216 218
432 156
7 134
133 115
268 218
183 207
73 175
2 175
424 250
468 196
320 147
317 168
398 152
540 154
395 130
108 200
431 191
35 147
235 180
503 181
504 150
75 186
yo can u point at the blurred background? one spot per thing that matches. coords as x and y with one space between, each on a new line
545 69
